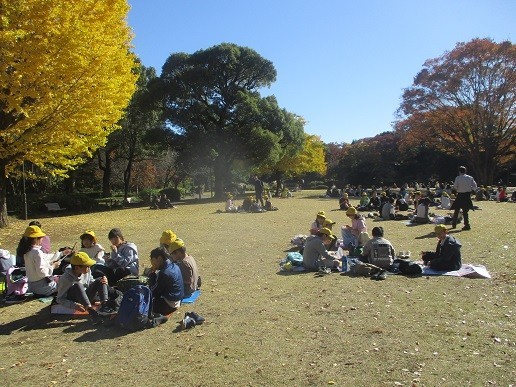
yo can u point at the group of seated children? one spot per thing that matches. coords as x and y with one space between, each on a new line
161 202
250 204
377 251
90 274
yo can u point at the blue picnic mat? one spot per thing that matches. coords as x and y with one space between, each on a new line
190 300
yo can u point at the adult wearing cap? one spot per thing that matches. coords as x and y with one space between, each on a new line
464 185
350 233
315 253
74 294
188 266
39 266
447 253
165 282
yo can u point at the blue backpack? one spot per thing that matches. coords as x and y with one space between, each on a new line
135 309
295 258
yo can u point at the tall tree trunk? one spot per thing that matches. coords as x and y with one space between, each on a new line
220 172
127 178
4 222
106 166
69 184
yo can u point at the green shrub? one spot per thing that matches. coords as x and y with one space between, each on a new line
172 193
145 194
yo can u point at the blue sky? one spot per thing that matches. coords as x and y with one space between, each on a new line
342 65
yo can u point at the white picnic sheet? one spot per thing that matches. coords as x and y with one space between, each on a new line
467 270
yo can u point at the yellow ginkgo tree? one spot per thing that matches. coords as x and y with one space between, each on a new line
310 158
66 75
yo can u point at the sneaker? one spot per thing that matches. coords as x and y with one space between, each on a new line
381 275
95 317
106 310
324 270
13 298
197 318
466 228
188 322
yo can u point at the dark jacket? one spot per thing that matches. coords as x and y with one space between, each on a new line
446 256
167 283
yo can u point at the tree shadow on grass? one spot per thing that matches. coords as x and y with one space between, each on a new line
431 234
40 320
94 333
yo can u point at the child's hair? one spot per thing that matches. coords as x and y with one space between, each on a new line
378 231
114 233
87 236
160 252
35 223
24 246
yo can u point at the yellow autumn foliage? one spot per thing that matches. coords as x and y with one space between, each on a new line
311 158
65 78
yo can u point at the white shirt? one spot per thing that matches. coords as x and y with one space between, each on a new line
95 252
38 264
464 183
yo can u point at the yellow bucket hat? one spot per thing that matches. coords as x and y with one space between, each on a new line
33 232
328 222
321 214
82 259
439 228
167 237
177 244
89 233
351 211
327 231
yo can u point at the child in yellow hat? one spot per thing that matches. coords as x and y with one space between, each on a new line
90 246
39 266
74 294
318 223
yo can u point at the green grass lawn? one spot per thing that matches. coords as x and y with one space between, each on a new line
266 328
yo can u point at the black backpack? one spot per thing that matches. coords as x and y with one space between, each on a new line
408 267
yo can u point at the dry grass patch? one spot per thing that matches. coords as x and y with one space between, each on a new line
265 328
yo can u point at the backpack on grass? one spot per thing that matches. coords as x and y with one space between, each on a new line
380 255
130 281
135 309
295 258
16 282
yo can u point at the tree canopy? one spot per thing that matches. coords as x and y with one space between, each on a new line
212 100
463 102
66 76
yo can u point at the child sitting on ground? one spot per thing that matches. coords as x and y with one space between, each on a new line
344 201
188 266
72 293
378 251
90 246
123 259
268 204
165 282
422 216
318 223
230 206
388 211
